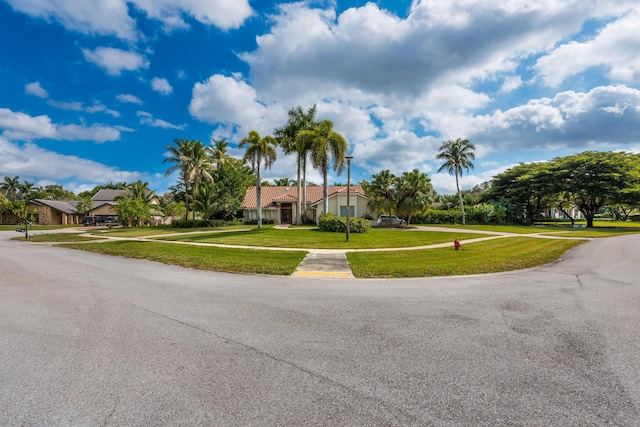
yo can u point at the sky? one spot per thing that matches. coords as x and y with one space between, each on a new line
93 91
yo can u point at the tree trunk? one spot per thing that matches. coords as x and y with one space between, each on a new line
299 205
304 183
325 190
464 220
259 196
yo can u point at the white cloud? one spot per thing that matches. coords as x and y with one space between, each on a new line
230 101
115 61
112 17
161 85
604 116
62 105
29 160
147 119
127 98
97 107
35 89
21 126
614 48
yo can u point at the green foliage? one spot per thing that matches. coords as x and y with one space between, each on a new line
338 224
203 223
457 156
132 212
265 221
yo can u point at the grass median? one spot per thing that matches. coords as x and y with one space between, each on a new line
502 254
202 257
315 239
58 238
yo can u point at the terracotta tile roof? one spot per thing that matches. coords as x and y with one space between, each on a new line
290 194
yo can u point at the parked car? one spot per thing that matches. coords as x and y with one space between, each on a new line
110 222
89 220
390 220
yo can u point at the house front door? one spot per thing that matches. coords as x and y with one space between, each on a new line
286 213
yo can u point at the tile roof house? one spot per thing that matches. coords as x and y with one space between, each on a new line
279 203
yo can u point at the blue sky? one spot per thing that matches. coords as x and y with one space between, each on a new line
92 91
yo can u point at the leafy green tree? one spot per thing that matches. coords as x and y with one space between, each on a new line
414 193
381 192
258 151
527 185
457 156
53 192
11 187
288 138
132 212
327 146
594 179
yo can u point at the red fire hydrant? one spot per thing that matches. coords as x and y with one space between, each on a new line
457 244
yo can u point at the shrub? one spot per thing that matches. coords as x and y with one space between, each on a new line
200 223
265 221
338 224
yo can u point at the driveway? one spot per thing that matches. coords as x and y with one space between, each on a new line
93 340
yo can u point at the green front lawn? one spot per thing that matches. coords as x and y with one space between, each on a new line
315 239
158 230
57 238
202 257
504 254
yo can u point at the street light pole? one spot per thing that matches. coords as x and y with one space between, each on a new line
348 194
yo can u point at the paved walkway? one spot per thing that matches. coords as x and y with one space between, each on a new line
333 263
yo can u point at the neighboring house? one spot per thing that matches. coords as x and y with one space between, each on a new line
280 203
104 202
553 213
55 212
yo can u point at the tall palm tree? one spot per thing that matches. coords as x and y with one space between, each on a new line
326 145
27 190
458 156
219 151
287 137
382 192
199 168
84 205
415 193
259 150
140 190
10 187
180 154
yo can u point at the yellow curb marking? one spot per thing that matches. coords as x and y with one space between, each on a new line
322 274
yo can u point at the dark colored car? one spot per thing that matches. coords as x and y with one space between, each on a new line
89 220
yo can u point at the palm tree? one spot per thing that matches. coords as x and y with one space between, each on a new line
219 151
326 145
458 156
199 168
283 182
259 150
415 193
287 137
180 154
10 187
84 206
192 159
382 192
26 190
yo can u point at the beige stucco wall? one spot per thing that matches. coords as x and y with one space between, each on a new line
103 210
358 202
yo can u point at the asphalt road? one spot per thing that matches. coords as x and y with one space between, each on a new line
91 340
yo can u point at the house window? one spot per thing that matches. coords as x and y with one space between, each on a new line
343 210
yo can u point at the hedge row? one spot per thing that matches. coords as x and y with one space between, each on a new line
338 224
200 223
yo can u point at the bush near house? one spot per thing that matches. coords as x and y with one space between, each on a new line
202 223
338 224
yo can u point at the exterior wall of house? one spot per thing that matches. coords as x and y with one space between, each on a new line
358 203
50 216
252 214
103 210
